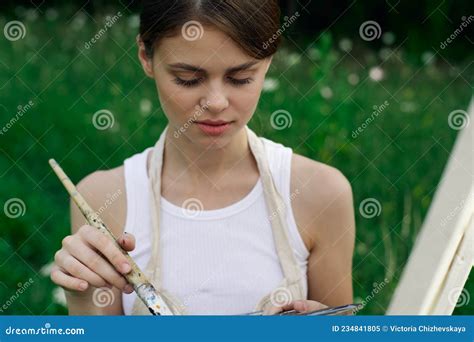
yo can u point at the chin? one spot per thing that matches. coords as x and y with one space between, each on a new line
213 142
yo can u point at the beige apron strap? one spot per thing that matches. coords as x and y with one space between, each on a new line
276 210
153 268
292 286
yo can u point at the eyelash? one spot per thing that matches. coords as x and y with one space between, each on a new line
196 81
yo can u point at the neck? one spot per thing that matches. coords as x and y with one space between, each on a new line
206 165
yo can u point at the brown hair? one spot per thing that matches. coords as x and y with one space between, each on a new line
250 24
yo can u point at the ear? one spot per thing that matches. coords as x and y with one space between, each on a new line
147 63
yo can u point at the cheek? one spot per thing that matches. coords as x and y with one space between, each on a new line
175 101
246 99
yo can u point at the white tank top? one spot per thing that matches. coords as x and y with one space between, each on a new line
222 261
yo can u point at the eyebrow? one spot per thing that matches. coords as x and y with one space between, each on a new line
230 70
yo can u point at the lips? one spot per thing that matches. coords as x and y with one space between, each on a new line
214 127
213 122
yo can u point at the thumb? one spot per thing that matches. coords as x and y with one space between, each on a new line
127 241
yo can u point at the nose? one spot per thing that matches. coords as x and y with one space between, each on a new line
216 100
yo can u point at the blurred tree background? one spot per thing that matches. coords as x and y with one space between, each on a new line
377 109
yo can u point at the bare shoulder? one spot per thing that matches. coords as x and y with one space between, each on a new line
322 200
105 192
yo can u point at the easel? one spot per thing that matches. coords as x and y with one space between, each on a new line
443 254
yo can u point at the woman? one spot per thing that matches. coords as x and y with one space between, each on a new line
223 222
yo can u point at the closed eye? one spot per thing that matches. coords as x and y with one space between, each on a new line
187 83
196 81
238 81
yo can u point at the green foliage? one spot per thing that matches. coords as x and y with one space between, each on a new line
397 159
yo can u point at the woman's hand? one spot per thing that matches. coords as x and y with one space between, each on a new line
301 306
89 258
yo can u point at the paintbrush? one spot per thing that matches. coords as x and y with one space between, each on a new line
142 286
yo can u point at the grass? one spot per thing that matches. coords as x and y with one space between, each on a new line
396 159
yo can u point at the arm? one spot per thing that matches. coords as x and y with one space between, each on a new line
333 231
98 272
324 214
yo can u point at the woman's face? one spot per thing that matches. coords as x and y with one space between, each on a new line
199 80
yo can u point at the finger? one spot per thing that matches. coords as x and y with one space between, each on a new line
315 305
289 306
301 305
106 247
97 264
304 306
273 310
78 270
127 241
66 281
